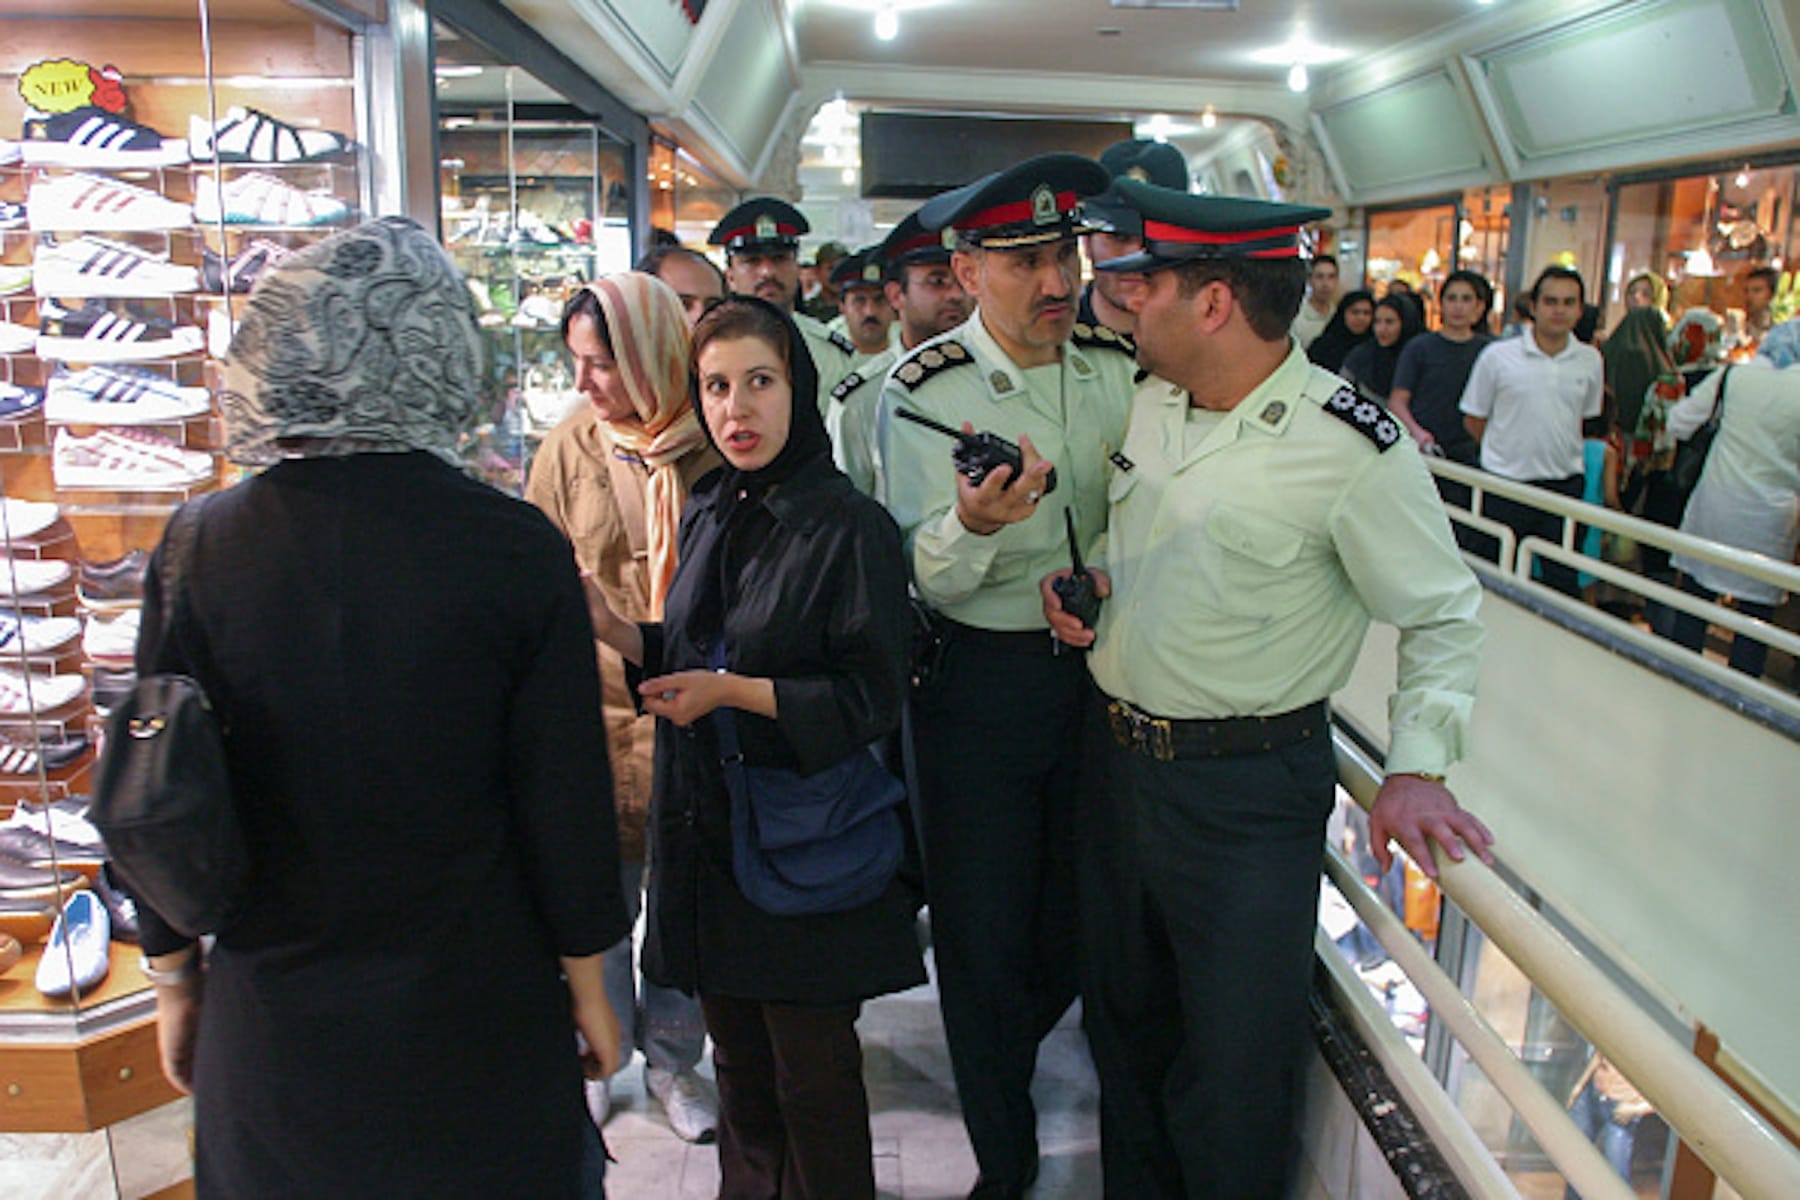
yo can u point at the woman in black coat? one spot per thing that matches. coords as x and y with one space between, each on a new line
802 578
401 659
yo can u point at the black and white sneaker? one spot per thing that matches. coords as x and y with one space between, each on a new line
245 135
97 334
11 215
93 137
121 395
94 266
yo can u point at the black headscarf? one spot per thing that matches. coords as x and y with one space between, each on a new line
736 520
1371 365
1336 340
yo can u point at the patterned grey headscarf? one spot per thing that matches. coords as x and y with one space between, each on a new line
365 341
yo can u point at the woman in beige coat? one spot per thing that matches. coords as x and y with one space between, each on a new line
613 476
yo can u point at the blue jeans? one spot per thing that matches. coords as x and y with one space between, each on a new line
1592 1114
662 1022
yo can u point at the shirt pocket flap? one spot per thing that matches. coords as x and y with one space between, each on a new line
1255 537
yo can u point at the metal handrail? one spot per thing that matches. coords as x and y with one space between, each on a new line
1731 1137
1557 1134
1785 576
1451 1135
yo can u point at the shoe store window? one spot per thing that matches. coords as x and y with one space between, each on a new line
1704 232
155 157
536 202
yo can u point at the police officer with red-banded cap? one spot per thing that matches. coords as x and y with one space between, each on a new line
1261 516
995 728
761 238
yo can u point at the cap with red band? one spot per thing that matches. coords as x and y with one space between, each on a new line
1180 227
911 244
761 222
1034 202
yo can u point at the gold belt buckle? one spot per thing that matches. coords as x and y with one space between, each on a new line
1141 731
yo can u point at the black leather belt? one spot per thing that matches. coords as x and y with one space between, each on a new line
1167 739
1008 641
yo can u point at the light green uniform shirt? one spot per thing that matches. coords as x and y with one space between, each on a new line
832 353
1248 558
992 582
851 421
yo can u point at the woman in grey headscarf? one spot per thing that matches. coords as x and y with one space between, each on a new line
401 660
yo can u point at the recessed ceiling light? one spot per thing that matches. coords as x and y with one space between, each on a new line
887 24
456 70
1297 80
1109 31
1209 119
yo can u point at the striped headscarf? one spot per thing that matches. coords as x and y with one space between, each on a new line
363 342
649 337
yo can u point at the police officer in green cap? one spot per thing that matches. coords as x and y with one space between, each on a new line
863 313
761 239
994 732
1261 515
1116 228
927 301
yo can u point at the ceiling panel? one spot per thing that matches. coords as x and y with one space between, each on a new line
1060 35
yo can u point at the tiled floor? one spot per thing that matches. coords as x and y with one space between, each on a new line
921 1152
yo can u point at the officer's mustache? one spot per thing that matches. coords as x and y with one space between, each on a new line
1052 301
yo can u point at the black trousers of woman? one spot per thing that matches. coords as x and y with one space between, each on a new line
793 1114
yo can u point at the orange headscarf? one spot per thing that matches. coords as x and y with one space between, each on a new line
649 337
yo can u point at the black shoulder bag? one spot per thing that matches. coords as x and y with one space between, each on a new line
162 799
1690 456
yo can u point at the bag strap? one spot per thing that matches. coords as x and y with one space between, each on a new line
178 556
1718 412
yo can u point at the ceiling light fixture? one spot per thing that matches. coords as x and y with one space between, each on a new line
1297 80
887 24
1209 119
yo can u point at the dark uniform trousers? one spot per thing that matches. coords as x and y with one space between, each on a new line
1199 897
997 748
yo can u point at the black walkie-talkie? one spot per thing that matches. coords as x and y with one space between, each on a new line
1076 589
977 454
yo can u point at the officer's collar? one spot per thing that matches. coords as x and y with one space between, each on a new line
1269 406
1003 377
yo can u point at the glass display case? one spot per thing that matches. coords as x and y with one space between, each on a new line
536 201
154 159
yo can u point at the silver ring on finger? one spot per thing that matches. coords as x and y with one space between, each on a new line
1032 497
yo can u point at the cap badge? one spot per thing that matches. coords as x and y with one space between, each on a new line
1043 206
1001 382
765 227
871 273
1138 173
1272 412
948 237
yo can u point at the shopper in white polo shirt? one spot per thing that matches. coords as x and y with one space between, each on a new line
1525 402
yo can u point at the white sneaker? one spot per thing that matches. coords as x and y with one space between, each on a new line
17 339
77 954
45 692
14 279
92 266
261 199
95 203
687 1100
38 637
29 576
116 460
599 1100
112 641
121 396
24 518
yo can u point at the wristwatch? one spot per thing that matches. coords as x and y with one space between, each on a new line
1427 776
174 977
